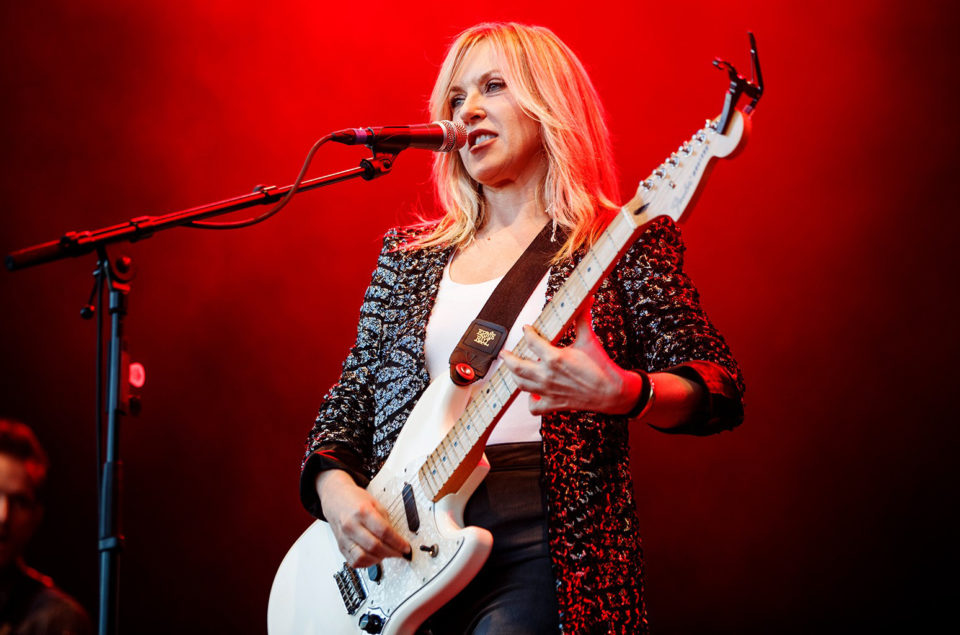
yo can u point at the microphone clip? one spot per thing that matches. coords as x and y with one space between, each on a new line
379 164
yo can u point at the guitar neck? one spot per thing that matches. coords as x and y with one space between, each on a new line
670 190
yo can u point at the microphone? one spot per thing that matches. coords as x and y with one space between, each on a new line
439 136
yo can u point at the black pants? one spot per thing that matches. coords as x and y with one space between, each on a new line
514 592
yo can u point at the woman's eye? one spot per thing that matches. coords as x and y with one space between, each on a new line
456 102
494 85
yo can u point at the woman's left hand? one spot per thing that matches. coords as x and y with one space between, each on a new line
577 377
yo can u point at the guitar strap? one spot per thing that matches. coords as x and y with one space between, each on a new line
484 338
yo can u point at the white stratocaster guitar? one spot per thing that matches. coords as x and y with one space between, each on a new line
437 461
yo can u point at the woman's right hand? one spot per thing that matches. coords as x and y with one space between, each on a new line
359 522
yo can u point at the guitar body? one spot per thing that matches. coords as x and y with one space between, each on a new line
305 597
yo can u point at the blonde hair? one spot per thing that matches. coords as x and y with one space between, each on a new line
552 87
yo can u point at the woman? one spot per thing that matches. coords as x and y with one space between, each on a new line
559 497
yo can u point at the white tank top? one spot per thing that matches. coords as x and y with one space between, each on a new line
456 306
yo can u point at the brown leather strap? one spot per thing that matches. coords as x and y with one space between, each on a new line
484 338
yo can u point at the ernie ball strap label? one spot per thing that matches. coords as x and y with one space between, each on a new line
484 336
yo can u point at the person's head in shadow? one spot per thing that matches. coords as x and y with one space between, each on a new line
23 472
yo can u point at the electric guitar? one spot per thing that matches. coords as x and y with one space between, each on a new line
438 462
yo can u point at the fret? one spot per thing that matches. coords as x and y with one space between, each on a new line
466 439
479 417
469 424
556 318
584 269
431 466
579 279
482 401
506 387
437 471
434 475
594 262
621 229
606 252
455 451
507 384
551 325
445 452
614 240
494 404
440 465
429 476
477 413
488 390
429 484
456 444
544 326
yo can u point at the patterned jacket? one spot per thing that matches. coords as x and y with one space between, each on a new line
646 314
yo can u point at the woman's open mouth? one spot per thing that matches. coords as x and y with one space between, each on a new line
479 139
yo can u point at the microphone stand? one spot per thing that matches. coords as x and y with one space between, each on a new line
117 276
74 244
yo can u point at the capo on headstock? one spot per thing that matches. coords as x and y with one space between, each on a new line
740 86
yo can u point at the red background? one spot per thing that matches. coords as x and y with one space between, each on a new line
824 253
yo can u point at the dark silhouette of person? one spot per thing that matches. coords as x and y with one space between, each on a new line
30 604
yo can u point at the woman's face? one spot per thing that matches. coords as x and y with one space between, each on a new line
503 143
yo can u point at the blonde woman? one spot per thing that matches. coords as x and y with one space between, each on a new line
558 499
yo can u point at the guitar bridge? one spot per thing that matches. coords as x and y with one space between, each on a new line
351 589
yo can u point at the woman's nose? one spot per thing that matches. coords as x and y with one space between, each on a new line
472 108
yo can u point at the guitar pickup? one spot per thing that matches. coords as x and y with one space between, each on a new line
410 508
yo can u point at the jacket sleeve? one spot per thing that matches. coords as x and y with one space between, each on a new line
342 433
672 333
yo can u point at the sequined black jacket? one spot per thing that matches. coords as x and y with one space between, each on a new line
646 314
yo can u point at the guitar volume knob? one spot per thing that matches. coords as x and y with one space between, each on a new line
371 623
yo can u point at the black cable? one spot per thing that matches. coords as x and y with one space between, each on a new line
276 208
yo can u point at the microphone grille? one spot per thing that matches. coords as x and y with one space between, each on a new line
455 135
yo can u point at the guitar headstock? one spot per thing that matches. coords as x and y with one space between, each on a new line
672 188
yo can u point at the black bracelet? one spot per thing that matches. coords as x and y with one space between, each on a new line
646 398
